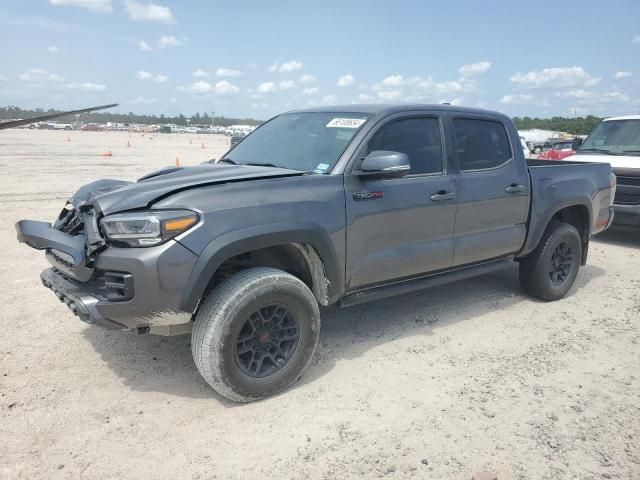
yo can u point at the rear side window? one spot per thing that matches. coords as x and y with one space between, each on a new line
418 138
481 144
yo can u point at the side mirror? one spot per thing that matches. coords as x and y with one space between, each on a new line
385 164
576 144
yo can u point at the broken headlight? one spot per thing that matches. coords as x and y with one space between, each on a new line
146 229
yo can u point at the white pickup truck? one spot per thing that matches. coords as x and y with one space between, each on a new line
617 141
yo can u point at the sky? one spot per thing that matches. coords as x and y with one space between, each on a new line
259 58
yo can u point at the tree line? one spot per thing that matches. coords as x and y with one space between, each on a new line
11 112
575 126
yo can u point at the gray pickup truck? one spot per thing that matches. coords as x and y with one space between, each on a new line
317 207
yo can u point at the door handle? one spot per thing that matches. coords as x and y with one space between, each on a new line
442 196
514 188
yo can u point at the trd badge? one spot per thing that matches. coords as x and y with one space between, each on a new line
367 195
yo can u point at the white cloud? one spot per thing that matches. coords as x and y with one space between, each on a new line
198 88
390 95
620 75
201 73
287 85
97 6
148 12
557 77
474 69
286 67
222 88
166 41
52 49
329 100
616 97
365 98
142 75
87 87
228 72
307 79
517 99
3 78
40 76
144 46
345 80
393 81
635 40
143 101
310 91
577 93
267 87
421 88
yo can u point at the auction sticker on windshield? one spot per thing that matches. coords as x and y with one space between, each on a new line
345 123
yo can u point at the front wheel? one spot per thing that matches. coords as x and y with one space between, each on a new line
255 334
551 269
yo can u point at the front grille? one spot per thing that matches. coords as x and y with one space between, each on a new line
626 198
633 181
69 221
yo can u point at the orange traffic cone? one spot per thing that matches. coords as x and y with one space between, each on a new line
177 162
107 154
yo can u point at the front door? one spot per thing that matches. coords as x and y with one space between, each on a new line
401 227
493 191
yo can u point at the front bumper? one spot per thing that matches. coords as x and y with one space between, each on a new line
155 278
628 215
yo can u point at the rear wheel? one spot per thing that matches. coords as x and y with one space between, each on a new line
255 334
551 269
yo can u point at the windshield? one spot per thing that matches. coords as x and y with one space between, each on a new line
310 141
617 137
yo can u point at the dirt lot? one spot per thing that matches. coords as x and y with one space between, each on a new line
440 384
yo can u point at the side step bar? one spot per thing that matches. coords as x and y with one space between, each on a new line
420 283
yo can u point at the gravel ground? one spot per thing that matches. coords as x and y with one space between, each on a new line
442 384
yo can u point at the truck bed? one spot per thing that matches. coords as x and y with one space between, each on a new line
559 183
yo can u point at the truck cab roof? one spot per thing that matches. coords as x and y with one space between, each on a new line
388 109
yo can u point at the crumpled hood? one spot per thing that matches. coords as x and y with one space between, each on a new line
112 196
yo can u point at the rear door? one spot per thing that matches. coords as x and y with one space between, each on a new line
492 190
401 227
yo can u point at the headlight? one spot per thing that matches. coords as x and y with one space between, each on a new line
145 229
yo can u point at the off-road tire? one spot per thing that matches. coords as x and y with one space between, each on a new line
224 312
535 269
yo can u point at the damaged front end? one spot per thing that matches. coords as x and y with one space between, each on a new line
117 288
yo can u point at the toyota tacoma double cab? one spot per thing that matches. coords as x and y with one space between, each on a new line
333 205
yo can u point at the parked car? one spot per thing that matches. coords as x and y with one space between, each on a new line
558 151
333 205
617 141
236 138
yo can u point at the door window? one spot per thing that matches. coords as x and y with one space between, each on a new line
481 144
418 138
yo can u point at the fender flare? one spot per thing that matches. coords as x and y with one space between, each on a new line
541 223
253 238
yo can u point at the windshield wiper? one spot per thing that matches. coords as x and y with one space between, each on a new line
599 150
257 164
630 151
228 160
